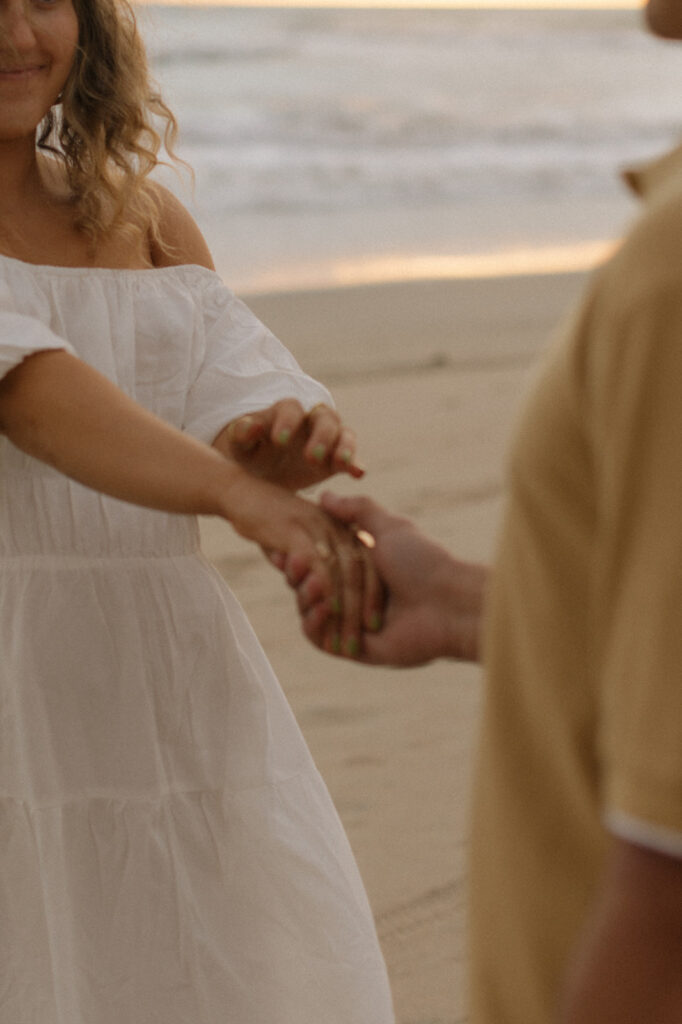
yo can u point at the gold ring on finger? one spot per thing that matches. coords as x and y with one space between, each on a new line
365 538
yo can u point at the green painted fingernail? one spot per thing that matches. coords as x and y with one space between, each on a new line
352 646
336 644
284 436
319 452
335 606
346 456
375 623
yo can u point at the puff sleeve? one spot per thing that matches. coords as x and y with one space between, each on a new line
22 336
241 367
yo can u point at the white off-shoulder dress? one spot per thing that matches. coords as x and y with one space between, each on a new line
168 851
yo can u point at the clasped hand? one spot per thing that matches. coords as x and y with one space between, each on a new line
421 603
368 584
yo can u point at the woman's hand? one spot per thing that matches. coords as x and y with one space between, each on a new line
302 540
289 447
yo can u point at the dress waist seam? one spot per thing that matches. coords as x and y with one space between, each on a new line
160 796
69 561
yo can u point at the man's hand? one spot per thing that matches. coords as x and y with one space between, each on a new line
289 447
433 604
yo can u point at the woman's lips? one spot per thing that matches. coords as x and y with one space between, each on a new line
19 73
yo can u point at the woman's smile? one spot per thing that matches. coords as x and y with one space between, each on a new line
21 74
38 44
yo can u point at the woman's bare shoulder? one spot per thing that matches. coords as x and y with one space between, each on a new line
180 240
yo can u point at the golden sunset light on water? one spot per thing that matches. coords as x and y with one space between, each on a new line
521 261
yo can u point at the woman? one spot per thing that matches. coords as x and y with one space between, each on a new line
167 850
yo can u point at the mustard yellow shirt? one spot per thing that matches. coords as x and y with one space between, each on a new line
582 728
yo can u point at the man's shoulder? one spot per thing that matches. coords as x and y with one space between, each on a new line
649 259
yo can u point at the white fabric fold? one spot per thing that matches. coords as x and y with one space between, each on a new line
243 367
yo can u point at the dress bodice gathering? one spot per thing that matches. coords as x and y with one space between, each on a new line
177 341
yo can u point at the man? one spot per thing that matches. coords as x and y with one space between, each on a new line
576 857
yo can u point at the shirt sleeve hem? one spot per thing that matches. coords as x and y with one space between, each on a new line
643 833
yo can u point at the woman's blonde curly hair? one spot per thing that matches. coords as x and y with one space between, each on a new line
104 129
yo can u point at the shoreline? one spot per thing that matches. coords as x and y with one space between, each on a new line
380 269
265 252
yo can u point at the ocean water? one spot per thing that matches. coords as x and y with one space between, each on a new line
330 137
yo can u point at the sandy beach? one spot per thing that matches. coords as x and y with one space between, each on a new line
431 375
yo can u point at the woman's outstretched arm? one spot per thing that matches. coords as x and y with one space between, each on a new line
58 409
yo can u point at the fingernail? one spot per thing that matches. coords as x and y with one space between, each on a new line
319 452
336 644
239 429
284 436
352 647
335 606
346 456
375 623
